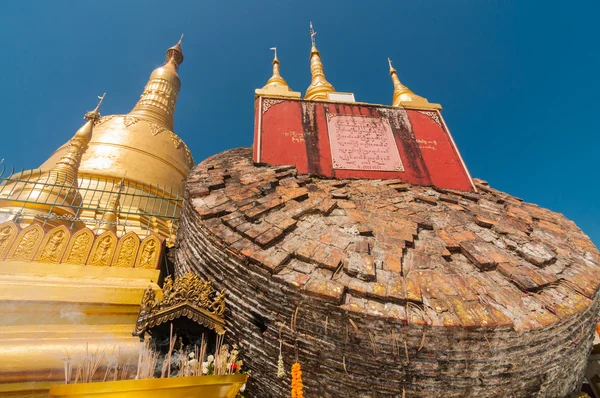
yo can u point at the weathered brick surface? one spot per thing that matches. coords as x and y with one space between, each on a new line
389 289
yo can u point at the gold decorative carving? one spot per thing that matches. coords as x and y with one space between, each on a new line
79 247
187 296
26 244
433 115
103 249
53 245
8 232
126 251
129 121
155 129
268 103
103 120
176 140
148 255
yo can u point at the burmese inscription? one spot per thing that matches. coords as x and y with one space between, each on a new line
362 143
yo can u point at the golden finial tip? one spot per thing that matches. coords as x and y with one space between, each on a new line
392 70
94 115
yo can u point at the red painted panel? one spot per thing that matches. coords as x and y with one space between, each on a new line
295 132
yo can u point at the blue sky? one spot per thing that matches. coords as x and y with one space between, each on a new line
518 80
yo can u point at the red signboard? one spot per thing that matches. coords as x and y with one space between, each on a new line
358 141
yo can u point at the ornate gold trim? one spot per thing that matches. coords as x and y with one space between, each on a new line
126 251
148 254
26 244
188 296
103 249
268 103
79 247
433 115
54 245
8 232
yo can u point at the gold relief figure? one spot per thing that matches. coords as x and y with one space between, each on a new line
27 245
149 254
7 234
79 248
103 250
218 306
52 250
126 251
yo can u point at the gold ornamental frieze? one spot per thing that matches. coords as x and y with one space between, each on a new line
126 251
187 296
8 233
26 244
148 256
79 247
103 249
61 245
53 245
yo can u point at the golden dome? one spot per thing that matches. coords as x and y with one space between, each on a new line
319 86
141 144
404 97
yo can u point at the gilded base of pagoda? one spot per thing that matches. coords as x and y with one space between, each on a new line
52 311
192 386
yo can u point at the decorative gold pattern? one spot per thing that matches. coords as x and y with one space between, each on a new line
148 256
53 245
268 103
187 296
126 251
79 247
103 120
156 129
26 244
103 249
176 140
129 121
8 232
433 115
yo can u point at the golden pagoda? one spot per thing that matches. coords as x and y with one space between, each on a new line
319 86
83 236
404 97
276 85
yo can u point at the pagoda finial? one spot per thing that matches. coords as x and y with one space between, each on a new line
157 102
277 85
405 97
95 115
319 86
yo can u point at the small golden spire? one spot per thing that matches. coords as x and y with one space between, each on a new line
157 102
319 86
110 217
405 97
276 85
59 186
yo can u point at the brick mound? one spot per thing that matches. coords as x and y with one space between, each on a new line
383 288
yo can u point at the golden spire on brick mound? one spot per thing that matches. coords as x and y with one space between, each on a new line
59 186
319 86
276 85
405 97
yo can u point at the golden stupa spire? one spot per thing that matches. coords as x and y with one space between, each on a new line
276 85
157 102
319 86
405 97
59 186
110 217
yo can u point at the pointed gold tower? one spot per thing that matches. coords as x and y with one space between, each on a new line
277 86
110 217
319 86
58 188
404 97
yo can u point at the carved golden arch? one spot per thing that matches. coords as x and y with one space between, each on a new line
149 253
27 243
79 247
103 249
8 233
127 250
53 245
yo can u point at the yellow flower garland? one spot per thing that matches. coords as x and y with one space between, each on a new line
297 381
